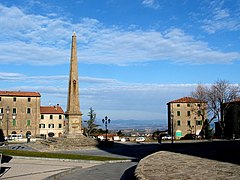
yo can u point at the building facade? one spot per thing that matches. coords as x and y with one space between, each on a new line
186 116
51 121
19 112
232 119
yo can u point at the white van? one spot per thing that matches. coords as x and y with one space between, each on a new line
14 136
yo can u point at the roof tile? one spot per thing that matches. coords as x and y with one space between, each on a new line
187 100
51 110
20 94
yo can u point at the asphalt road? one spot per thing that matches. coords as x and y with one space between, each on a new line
111 171
129 150
225 151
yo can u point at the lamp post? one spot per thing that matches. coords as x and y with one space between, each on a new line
7 118
106 121
195 128
172 116
1 117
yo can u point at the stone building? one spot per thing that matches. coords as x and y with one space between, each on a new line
232 119
19 112
186 116
51 121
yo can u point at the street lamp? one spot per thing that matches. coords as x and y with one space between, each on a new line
172 116
1 117
7 118
195 119
106 121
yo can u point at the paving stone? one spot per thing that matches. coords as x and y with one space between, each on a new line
170 165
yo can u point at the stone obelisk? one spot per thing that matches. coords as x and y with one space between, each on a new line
73 113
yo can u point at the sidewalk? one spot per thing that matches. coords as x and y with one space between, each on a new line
40 168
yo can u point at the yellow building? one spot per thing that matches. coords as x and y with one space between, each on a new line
19 112
52 121
186 116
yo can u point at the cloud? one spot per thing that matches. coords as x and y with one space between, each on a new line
222 18
5 76
46 40
118 99
151 4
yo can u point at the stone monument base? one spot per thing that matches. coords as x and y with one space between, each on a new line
69 142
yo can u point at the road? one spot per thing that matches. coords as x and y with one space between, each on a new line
121 170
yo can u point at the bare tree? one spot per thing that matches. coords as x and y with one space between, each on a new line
216 95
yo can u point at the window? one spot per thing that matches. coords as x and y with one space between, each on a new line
178 113
1 110
0 98
28 110
60 116
198 122
199 113
14 110
189 123
189 113
178 105
50 125
42 116
51 116
59 125
14 99
188 105
28 122
14 122
179 123
41 125
29 99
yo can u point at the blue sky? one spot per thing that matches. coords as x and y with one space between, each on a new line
134 55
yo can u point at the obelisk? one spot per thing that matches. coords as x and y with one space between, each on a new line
73 113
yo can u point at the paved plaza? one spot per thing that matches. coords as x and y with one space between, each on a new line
181 160
206 160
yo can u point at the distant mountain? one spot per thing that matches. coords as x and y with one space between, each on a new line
137 124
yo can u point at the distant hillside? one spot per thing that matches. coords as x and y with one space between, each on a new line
137 124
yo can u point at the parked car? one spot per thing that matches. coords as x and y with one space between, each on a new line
14 136
188 137
140 139
167 137
125 139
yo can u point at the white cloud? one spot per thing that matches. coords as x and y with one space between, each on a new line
119 100
151 4
222 18
5 76
42 40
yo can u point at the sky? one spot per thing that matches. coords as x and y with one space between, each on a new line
134 56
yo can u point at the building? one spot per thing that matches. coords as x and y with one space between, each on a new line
51 121
232 119
185 116
19 112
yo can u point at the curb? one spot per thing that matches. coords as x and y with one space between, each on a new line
72 160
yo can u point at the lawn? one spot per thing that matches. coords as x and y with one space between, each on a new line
56 155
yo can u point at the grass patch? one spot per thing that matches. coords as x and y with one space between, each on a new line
57 155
